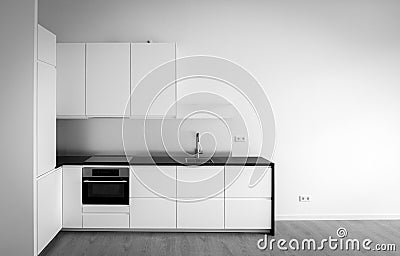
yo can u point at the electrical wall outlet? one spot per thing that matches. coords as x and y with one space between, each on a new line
240 139
304 199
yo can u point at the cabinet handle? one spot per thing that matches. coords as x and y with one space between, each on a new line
105 181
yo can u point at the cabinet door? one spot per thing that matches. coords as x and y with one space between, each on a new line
146 86
46 46
107 79
71 79
153 213
239 178
247 213
153 181
49 203
200 181
105 220
46 118
72 197
203 214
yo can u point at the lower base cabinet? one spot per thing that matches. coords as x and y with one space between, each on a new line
105 216
239 207
153 213
200 213
247 213
49 216
72 197
105 220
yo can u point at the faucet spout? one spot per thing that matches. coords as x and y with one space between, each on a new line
198 150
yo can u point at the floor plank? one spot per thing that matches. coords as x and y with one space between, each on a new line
229 244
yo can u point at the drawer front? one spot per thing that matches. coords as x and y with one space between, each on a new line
244 178
106 220
206 214
106 208
200 181
156 213
153 181
247 213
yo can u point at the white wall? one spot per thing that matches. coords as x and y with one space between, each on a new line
18 19
330 69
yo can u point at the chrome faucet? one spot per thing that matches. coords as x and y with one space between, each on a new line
198 150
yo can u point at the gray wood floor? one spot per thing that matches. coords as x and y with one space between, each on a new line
133 243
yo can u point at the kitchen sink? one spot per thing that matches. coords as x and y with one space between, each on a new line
198 161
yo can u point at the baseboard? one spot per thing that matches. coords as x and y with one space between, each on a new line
339 217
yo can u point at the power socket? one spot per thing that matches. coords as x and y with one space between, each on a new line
304 199
240 139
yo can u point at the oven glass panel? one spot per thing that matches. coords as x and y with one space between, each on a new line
99 191
110 190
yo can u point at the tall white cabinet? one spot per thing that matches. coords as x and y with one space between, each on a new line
49 205
107 79
49 181
46 117
46 46
71 75
46 101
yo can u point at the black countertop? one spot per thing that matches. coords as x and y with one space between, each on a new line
165 160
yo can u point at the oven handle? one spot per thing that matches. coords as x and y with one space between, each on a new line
105 181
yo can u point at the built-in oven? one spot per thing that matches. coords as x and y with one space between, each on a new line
105 185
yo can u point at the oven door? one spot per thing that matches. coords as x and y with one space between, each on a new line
105 190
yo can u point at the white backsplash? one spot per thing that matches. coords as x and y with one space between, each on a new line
103 136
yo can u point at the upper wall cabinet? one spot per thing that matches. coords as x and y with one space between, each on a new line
70 80
107 79
46 46
153 88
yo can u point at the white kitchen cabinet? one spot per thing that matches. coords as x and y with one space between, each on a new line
238 181
152 68
49 205
157 213
200 214
101 208
71 80
72 196
105 220
107 79
46 117
105 216
153 181
200 181
247 213
248 187
46 46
